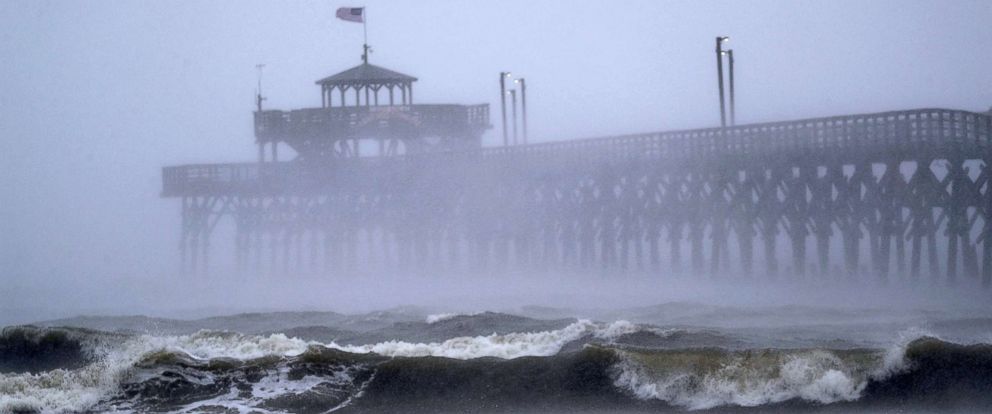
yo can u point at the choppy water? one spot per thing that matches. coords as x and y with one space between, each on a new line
674 357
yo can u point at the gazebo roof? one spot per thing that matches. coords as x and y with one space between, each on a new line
366 74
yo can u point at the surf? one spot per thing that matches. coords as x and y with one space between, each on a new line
582 364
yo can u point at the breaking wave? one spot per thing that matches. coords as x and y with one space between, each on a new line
585 364
508 346
710 378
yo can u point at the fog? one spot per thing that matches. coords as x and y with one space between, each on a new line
97 97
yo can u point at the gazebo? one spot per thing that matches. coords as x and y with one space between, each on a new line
366 79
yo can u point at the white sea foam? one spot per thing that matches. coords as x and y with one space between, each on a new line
894 361
276 384
206 345
209 344
439 317
63 390
513 345
435 318
811 375
615 330
814 376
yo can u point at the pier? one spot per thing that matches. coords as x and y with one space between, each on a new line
892 197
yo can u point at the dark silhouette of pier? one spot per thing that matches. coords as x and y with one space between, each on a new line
893 196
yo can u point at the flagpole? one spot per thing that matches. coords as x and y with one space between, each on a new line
365 34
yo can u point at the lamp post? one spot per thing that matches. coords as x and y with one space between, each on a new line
523 104
719 75
502 101
513 98
258 94
258 114
730 59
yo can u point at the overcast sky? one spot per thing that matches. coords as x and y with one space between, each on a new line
96 96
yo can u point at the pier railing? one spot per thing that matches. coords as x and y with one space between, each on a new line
919 134
923 132
342 121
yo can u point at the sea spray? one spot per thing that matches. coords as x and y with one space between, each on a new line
894 360
514 345
583 362
70 390
709 378
703 379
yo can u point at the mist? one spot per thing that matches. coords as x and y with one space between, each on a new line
99 96
495 206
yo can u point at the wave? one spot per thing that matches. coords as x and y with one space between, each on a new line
30 349
584 364
89 380
508 346
703 379
105 361
440 317
94 367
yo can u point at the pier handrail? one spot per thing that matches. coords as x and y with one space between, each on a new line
277 124
928 133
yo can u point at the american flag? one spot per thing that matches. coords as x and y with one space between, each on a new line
352 14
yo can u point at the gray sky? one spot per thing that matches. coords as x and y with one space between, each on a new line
98 95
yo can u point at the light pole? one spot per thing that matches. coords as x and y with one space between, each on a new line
523 104
719 75
513 98
502 102
730 59
258 94
258 105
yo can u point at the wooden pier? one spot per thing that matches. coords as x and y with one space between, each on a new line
893 196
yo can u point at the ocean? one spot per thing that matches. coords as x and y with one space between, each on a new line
671 357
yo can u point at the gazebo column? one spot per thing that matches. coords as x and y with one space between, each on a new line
323 96
410 87
343 102
358 96
403 96
390 95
